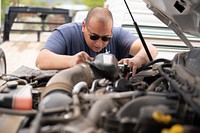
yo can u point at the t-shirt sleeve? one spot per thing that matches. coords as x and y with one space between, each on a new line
124 41
56 42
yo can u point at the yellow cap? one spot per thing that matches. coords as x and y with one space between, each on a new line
177 128
161 118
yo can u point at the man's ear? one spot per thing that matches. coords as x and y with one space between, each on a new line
83 26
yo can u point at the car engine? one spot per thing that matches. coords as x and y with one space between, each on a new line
101 96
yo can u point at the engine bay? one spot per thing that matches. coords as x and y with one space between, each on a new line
101 96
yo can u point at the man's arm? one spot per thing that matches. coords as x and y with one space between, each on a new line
139 55
49 60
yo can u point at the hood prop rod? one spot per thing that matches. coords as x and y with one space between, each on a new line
140 34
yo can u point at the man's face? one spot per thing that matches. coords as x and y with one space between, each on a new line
97 35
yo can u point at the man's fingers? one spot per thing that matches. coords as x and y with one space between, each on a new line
129 63
124 61
85 57
134 68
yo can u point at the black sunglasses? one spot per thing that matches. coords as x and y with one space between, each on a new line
95 37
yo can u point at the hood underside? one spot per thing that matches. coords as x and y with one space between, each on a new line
182 16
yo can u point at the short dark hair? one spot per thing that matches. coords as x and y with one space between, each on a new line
103 14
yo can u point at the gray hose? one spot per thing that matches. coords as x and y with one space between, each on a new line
66 79
84 123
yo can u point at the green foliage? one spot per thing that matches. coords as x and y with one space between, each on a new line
4 3
93 3
32 3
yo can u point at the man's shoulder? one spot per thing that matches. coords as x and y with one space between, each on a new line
118 29
70 25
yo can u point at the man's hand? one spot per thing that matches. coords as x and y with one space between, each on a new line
80 57
133 63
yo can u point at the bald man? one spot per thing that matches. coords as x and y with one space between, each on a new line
75 43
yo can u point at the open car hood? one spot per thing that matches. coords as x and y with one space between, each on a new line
182 16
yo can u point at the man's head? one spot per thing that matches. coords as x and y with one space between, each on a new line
97 28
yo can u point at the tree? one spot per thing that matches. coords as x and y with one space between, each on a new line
93 3
4 3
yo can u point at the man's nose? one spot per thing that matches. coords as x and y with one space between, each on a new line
99 42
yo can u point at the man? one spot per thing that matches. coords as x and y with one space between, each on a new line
75 43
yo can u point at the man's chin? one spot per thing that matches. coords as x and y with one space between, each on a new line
97 50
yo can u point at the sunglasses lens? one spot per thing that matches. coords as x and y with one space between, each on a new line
105 38
94 37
